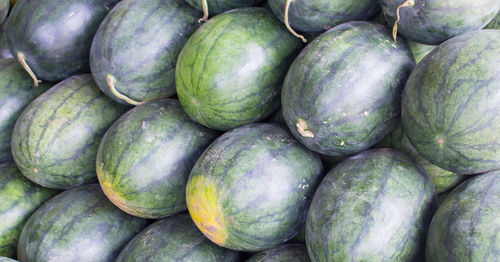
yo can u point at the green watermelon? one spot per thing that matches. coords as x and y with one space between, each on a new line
144 160
135 49
321 15
284 253
79 224
55 139
451 102
216 7
434 21
250 190
495 23
52 38
4 10
16 92
19 199
443 180
420 50
174 239
4 47
230 71
466 227
374 206
342 93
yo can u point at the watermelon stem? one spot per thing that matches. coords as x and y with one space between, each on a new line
205 11
407 3
303 128
287 24
111 80
22 59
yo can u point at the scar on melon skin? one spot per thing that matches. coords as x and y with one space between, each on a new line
303 128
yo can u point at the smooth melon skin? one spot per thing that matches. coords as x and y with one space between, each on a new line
55 139
137 45
466 227
321 15
231 70
284 253
79 224
16 92
4 47
451 101
19 199
420 50
55 35
250 190
435 21
6 259
375 206
4 10
216 7
174 239
342 93
144 159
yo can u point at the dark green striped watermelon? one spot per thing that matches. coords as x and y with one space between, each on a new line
466 227
77 225
420 50
284 253
374 206
4 47
251 188
144 160
230 71
54 36
19 198
55 139
174 239
4 10
443 180
16 92
135 49
451 104
495 23
216 7
432 22
321 15
342 93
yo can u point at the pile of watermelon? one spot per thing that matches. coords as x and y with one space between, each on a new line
250 130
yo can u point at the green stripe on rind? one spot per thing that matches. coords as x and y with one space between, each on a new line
321 15
374 206
56 35
4 47
443 180
450 104
264 182
16 92
144 160
432 22
55 139
19 199
466 227
346 85
289 252
216 7
138 44
495 23
174 239
230 71
77 225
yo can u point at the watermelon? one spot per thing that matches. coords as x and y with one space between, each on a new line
135 49
342 93
4 47
20 198
6 259
216 7
144 160
256 51
52 38
250 190
441 197
420 50
495 23
4 10
374 206
174 239
16 92
55 139
466 227
451 102
284 253
443 180
433 22
321 15
79 224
